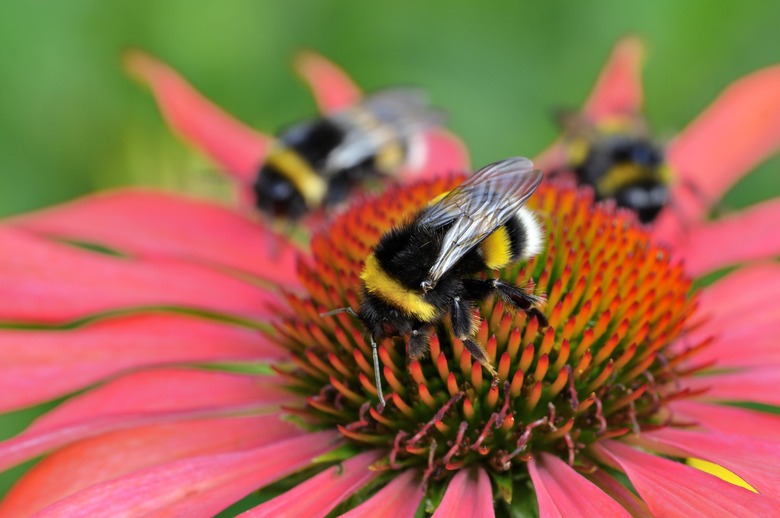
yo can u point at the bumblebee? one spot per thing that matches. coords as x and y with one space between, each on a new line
620 162
429 267
317 163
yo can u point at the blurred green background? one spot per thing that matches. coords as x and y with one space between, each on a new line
71 122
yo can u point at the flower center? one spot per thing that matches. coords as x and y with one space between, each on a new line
603 367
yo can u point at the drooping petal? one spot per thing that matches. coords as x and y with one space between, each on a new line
758 385
673 489
468 495
320 494
237 148
735 239
398 499
444 153
734 134
143 398
561 491
38 365
116 454
750 458
332 88
750 292
200 486
618 90
159 225
620 493
553 157
47 282
728 419
747 343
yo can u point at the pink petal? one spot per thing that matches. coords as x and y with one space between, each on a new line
754 386
552 158
116 454
143 398
728 419
748 343
620 493
733 135
164 226
320 494
48 282
231 144
399 499
444 153
618 90
561 491
674 489
750 292
332 88
38 365
468 495
753 459
735 239
200 486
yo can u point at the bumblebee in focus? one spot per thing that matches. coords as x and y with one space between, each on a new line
317 163
429 267
621 162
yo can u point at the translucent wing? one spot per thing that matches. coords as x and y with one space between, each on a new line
395 114
477 207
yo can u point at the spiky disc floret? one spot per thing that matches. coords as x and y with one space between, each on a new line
603 368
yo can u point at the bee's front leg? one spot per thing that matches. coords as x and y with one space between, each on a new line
509 293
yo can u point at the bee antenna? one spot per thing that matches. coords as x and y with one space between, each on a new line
338 312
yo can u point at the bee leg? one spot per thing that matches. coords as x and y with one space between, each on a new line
463 326
479 354
419 342
462 317
512 295
377 375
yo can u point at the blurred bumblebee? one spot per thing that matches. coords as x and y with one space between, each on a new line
619 160
317 163
429 267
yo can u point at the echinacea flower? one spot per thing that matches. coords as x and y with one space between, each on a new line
155 315
240 150
734 134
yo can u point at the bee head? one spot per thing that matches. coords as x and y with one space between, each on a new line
277 196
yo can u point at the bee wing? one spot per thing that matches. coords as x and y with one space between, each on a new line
392 114
477 207
405 108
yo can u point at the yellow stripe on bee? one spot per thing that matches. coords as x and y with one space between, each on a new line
379 283
497 248
305 179
720 472
577 151
389 157
620 176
